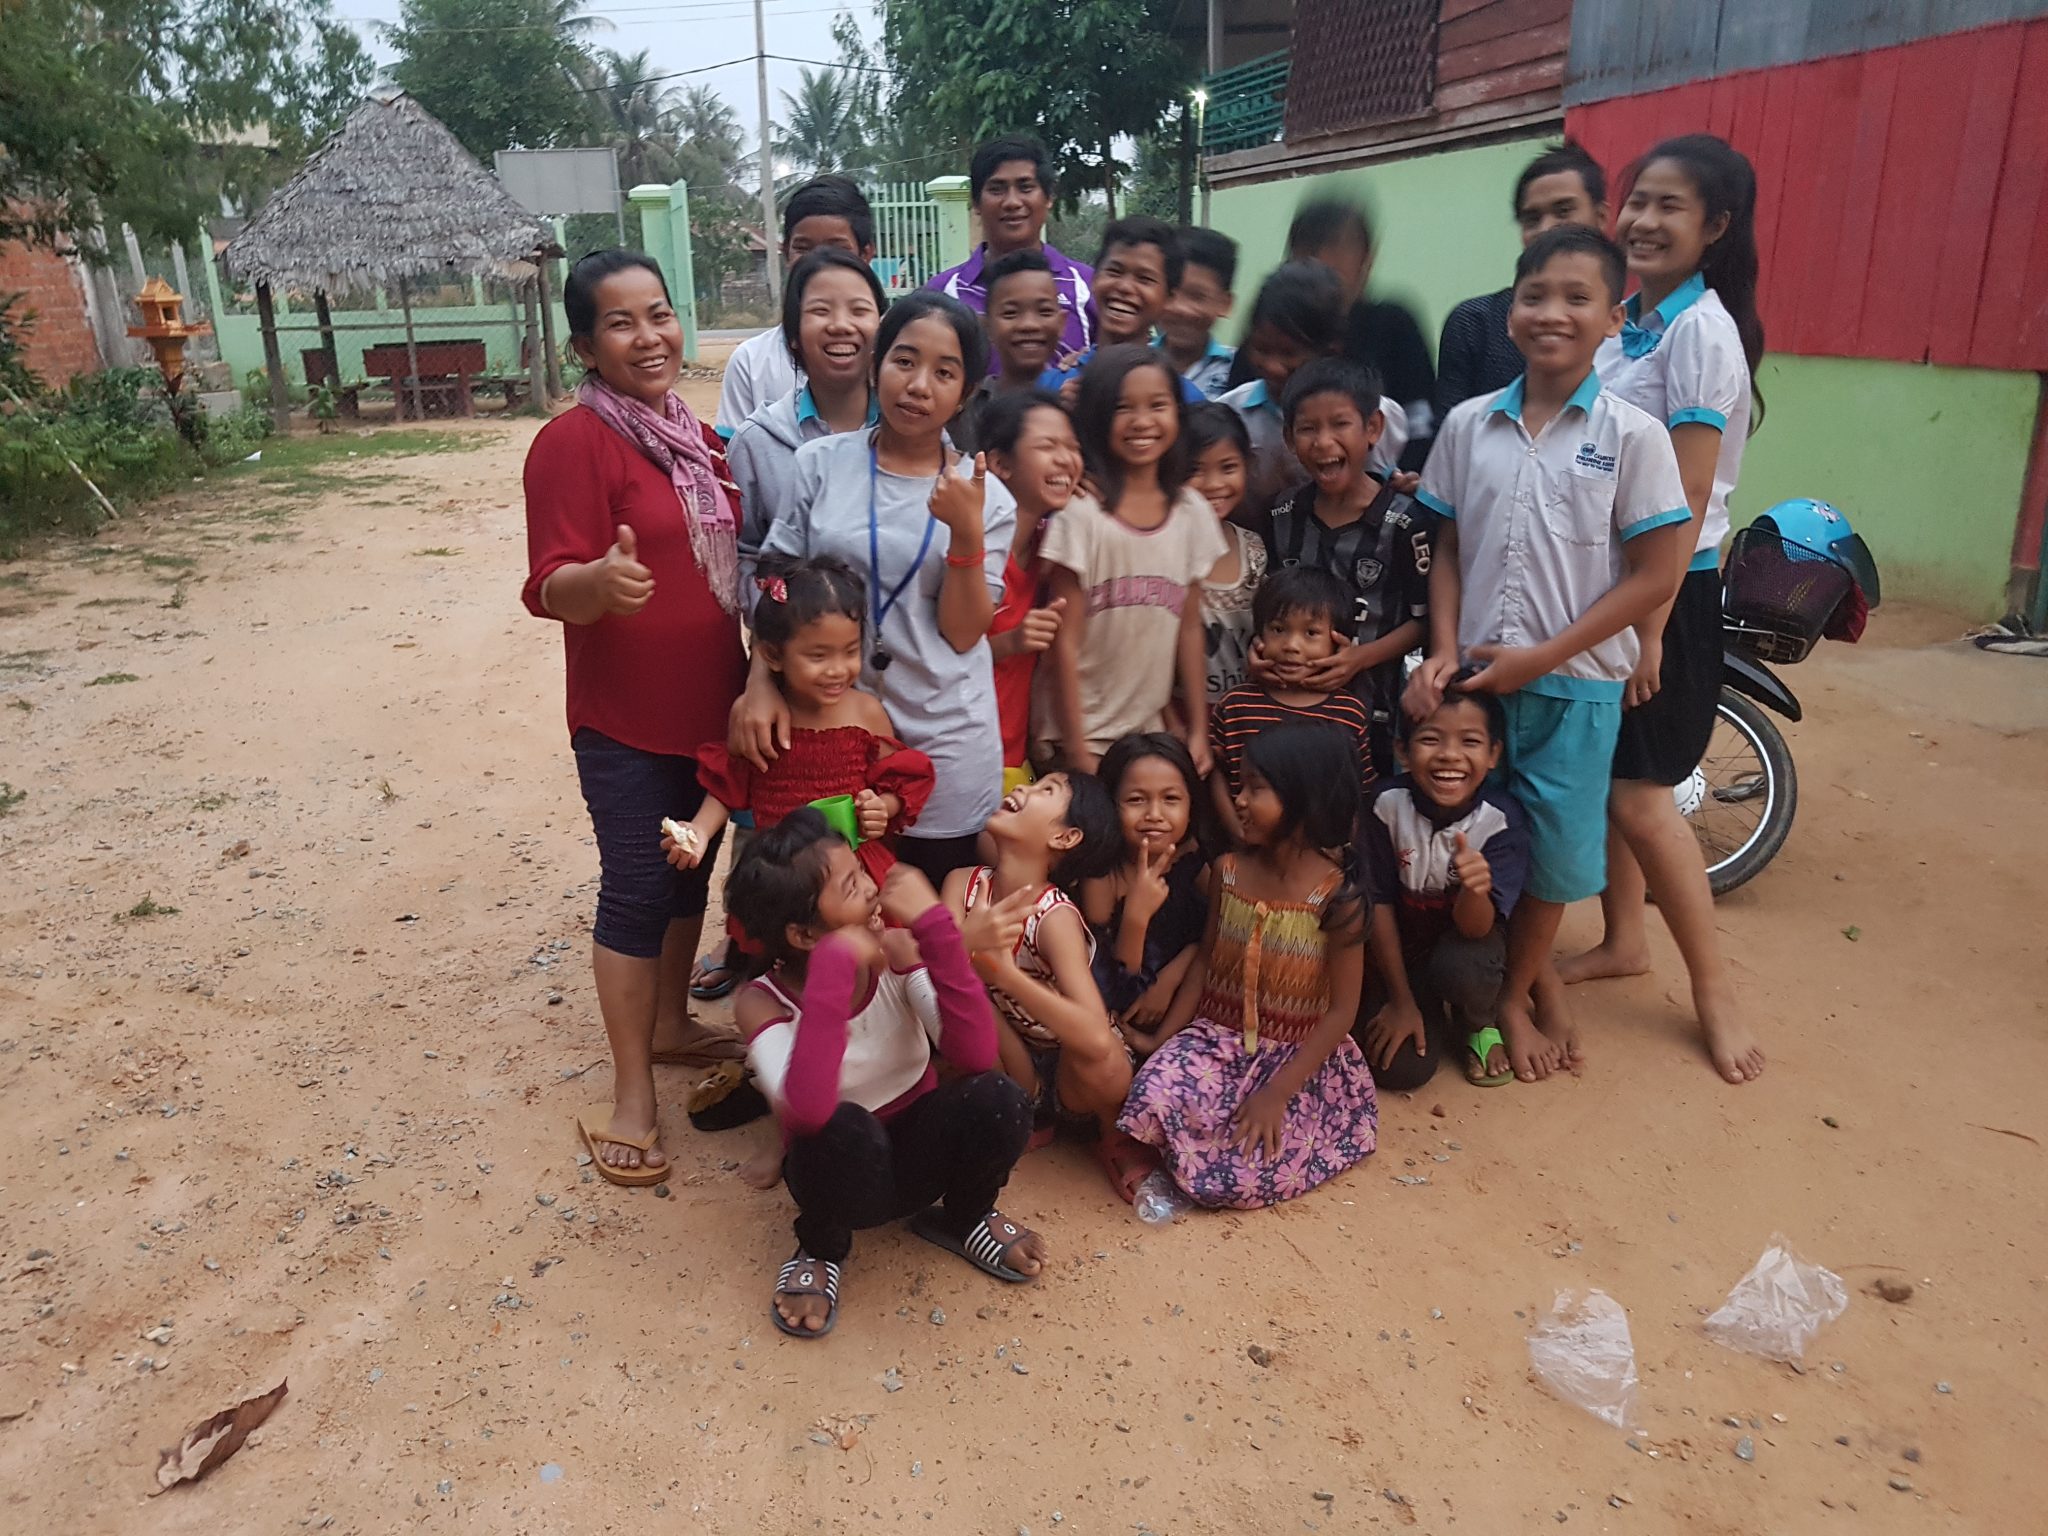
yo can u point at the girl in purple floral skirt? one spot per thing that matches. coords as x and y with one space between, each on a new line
1258 1093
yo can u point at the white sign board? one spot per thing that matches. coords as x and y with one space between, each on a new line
556 182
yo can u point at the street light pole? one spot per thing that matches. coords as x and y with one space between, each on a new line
768 233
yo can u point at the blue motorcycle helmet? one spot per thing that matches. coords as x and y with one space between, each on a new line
1821 529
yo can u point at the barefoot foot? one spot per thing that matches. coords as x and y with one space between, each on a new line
1533 1054
1554 1017
763 1170
1734 1049
1601 962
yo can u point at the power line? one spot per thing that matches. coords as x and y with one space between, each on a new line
645 21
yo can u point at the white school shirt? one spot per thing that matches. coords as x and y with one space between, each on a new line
1274 467
887 1051
1684 363
758 372
1541 520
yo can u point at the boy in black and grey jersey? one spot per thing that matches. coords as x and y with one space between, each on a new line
1356 526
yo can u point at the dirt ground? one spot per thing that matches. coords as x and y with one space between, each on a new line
317 1122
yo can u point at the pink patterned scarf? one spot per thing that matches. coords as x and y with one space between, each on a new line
673 442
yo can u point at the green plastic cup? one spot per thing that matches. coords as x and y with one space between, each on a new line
840 816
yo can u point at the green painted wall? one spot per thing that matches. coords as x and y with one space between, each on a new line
1444 227
1927 462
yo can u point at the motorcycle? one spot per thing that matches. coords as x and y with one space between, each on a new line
1795 576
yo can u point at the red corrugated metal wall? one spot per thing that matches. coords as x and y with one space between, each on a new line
1902 207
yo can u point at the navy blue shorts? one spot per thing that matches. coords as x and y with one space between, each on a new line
639 892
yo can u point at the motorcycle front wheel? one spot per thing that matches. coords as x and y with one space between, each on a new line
1743 795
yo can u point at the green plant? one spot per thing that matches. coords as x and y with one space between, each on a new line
321 404
106 678
16 321
149 906
212 802
10 797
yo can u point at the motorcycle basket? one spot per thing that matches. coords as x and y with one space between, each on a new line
1779 596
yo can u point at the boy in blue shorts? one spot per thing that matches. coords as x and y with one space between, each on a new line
1561 509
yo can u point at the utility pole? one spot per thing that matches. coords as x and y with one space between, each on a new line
768 230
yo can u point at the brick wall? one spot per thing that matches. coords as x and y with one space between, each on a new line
62 342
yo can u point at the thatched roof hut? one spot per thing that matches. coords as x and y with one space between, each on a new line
391 195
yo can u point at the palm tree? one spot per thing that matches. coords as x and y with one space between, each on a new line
824 128
706 131
632 110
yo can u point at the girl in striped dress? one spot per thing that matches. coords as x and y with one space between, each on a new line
1258 1093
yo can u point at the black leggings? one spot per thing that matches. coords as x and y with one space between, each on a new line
957 1144
1457 986
935 858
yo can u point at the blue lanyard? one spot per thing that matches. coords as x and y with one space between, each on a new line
876 605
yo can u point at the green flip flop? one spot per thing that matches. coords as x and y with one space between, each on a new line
1482 1044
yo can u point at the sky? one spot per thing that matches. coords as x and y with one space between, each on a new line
689 34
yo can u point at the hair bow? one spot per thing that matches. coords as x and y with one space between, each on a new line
775 588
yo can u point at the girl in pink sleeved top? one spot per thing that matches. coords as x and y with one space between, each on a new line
843 1031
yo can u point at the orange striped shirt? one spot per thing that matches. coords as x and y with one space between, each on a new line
1243 713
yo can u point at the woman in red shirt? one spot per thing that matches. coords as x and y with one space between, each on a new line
631 532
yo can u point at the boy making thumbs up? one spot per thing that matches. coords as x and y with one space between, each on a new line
1444 854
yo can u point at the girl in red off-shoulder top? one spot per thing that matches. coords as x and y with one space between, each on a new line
807 621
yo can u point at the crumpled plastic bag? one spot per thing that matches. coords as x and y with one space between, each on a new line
1582 1352
1777 1308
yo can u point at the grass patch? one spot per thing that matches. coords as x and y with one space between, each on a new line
21 580
159 562
22 661
113 677
177 598
439 552
114 602
149 906
21 704
212 802
306 465
10 797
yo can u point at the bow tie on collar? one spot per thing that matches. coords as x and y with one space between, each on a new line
1638 341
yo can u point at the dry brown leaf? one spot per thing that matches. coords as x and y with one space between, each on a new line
212 1441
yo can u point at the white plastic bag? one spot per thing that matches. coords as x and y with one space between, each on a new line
1777 1308
1582 1352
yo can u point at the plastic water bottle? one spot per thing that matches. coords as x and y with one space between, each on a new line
1159 1199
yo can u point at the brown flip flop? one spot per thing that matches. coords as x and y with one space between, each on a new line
594 1125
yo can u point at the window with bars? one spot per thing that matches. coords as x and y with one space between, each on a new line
1360 62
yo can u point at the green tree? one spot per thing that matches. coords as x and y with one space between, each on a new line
824 128
709 142
499 73
145 111
719 245
1080 74
634 116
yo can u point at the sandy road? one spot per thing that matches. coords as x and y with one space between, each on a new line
319 1120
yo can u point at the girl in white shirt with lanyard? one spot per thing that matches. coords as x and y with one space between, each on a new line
1687 354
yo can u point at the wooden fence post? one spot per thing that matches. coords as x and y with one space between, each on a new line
273 360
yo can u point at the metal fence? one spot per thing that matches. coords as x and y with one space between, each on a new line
1245 105
909 240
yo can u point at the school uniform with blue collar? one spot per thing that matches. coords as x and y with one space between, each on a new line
1541 522
763 458
1274 468
1683 363
1210 373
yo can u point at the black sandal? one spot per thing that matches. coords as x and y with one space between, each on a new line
986 1245
806 1276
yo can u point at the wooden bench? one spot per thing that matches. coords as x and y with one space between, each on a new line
446 371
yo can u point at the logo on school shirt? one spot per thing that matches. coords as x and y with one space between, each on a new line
1592 459
1368 570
